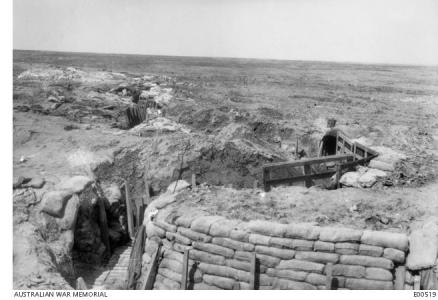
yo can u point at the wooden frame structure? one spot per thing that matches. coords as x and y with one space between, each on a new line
348 154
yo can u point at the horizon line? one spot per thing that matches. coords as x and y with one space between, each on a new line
231 57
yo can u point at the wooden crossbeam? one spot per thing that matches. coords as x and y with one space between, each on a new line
308 161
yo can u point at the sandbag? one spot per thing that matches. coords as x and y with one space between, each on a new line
324 246
165 226
347 248
287 274
259 239
281 242
395 255
203 256
171 236
204 286
267 260
301 265
302 231
348 270
239 235
202 224
243 255
213 248
267 228
423 249
280 253
232 244
370 250
167 273
316 279
367 261
320 257
283 284
385 239
221 282
302 245
194 236
223 228
378 274
152 230
335 234
365 284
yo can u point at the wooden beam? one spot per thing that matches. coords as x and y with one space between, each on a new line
185 270
149 278
308 172
322 175
308 161
253 272
329 276
103 226
129 211
135 259
400 277
338 175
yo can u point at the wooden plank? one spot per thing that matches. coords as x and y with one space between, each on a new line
103 226
129 211
135 259
265 178
329 276
400 277
322 175
308 161
338 175
253 272
308 172
185 270
149 278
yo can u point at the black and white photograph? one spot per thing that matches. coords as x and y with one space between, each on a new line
223 145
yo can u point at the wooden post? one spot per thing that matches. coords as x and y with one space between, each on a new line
265 180
80 284
103 225
338 175
135 259
129 211
149 278
329 276
307 171
185 270
253 273
193 181
400 276
417 280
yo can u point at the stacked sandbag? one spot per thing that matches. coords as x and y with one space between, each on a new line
290 256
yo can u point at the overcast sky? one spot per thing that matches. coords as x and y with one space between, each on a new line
381 31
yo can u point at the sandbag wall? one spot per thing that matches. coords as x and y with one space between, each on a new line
291 256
